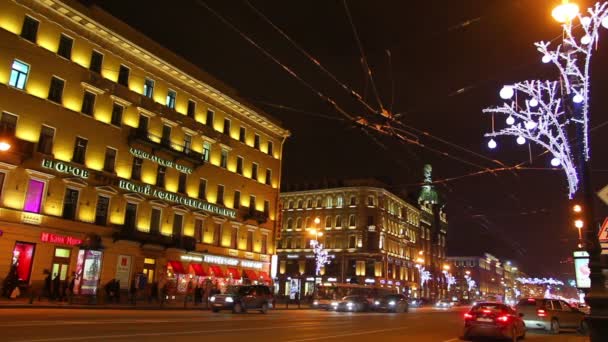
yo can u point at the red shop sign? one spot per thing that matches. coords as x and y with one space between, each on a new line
61 239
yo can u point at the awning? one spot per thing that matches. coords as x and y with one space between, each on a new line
251 275
263 276
177 267
234 273
216 270
198 270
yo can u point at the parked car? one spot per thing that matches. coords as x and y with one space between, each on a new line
351 303
392 303
551 315
444 304
490 319
417 303
243 298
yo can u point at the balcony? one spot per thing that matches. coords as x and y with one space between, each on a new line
187 243
259 216
137 135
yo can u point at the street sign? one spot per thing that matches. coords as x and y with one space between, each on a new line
603 194
603 235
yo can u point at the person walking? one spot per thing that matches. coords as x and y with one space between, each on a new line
46 289
71 285
56 287
133 292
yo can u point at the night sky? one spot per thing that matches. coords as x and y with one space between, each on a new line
523 216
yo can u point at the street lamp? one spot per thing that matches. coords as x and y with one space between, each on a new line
4 146
566 12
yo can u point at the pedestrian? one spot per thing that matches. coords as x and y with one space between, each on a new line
11 282
153 292
71 285
109 288
56 287
133 292
117 291
46 289
198 295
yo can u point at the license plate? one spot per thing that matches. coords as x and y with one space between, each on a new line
484 320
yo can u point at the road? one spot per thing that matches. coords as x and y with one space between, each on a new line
420 325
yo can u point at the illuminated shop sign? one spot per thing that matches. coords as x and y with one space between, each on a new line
220 260
582 270
160 161
147 189
60 239
65 168
214 259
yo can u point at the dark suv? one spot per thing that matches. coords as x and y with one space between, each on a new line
242 298
551 315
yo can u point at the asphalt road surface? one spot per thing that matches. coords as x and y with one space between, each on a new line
420 325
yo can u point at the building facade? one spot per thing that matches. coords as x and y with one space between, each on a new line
125 161
372 237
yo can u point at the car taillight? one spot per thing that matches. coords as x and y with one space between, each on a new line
468 316
541 313
503 319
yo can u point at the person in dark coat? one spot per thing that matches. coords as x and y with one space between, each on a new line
10 282
133 292
117 290
56 287
109 287
153 292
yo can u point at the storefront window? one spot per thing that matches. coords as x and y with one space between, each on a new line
149 267
61 263
23 257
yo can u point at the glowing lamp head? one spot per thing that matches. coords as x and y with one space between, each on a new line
313 232
577 208
4 146
492 144
578 98
579 224
521 140
546 59
555 162
506 92
320 234
564 13
510 120
533 103
317 220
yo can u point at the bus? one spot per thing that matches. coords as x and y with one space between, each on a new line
327 293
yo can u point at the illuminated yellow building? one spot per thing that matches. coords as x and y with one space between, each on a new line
113 137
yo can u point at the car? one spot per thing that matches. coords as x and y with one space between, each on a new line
551 315
242 298
391 303
417 303
444 304
496 320
351 303
323 304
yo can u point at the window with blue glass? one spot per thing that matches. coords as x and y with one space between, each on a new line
19 72
148 88
171 99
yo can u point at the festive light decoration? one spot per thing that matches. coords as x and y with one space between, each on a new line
539 281
321 256
572 59
510 120
471 284
424 275
492 144
556 162
449 279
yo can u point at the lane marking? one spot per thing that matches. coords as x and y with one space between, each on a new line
345 335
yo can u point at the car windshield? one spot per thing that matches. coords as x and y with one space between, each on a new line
392 297
237 290
489 307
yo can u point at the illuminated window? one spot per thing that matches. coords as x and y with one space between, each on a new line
70 204
181 184
160 176
256 142
329 202
109 162
239 165
19 73
270 147
202 189
148 88
29 30
8 124
136 168
339 202
101 210
254 171
80 150
198 230
56 90
34 196
117 111
149 269
206 150
61 263
88 103
242 133
224 159
191 109
178 223
227 126
96 62
65 46
171 95
220 194
155 220
237 200
209 119
123 75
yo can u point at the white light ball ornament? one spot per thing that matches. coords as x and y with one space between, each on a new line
605 22
555 162
586 40
530 125
578 98
586 21
521 140
506 92
510 120
546 59
492 144
533 103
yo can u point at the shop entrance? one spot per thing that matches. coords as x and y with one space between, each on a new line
61 262
149 268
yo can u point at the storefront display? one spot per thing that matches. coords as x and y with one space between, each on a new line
123 271
88 269
23 257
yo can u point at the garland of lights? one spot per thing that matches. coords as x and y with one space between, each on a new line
321 256
424 275
539 281
470 282
450 279
535 111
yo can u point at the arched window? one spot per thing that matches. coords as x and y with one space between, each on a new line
309 203
329 202
370 200
299 222
307 222
338 221
319 205
353 200
351 221
290 204
328 222
300 204
289 223
339 201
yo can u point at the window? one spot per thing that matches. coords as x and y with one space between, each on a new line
220 194
256 142
242 133
227 126
309 203
166 136
171 95
254 171
289 223
45 141
149 269
198 230
270 147
61 262
237 200
148 88
338 221
181 184
370 220
142 125
123 75
29 30
352 241
109 163
264 249
370 201
8 124
191 109
155 220
353 200
34 196
136 168
80 150
300 204
117 111
234 238
130 216
202 189
88 103
266 207
206 150
160 176
19 73
290 205
209 120
217 234
249 241
101 210
224 159
339 201
178 222
268 176
328 222
70 203
187 143
351 221
319 205
329 202
65 46
56 89
298 223
239 165
96 62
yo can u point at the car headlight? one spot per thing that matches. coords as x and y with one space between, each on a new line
334 303
376 303
391 303
316 302
349 304
229 300
212 299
